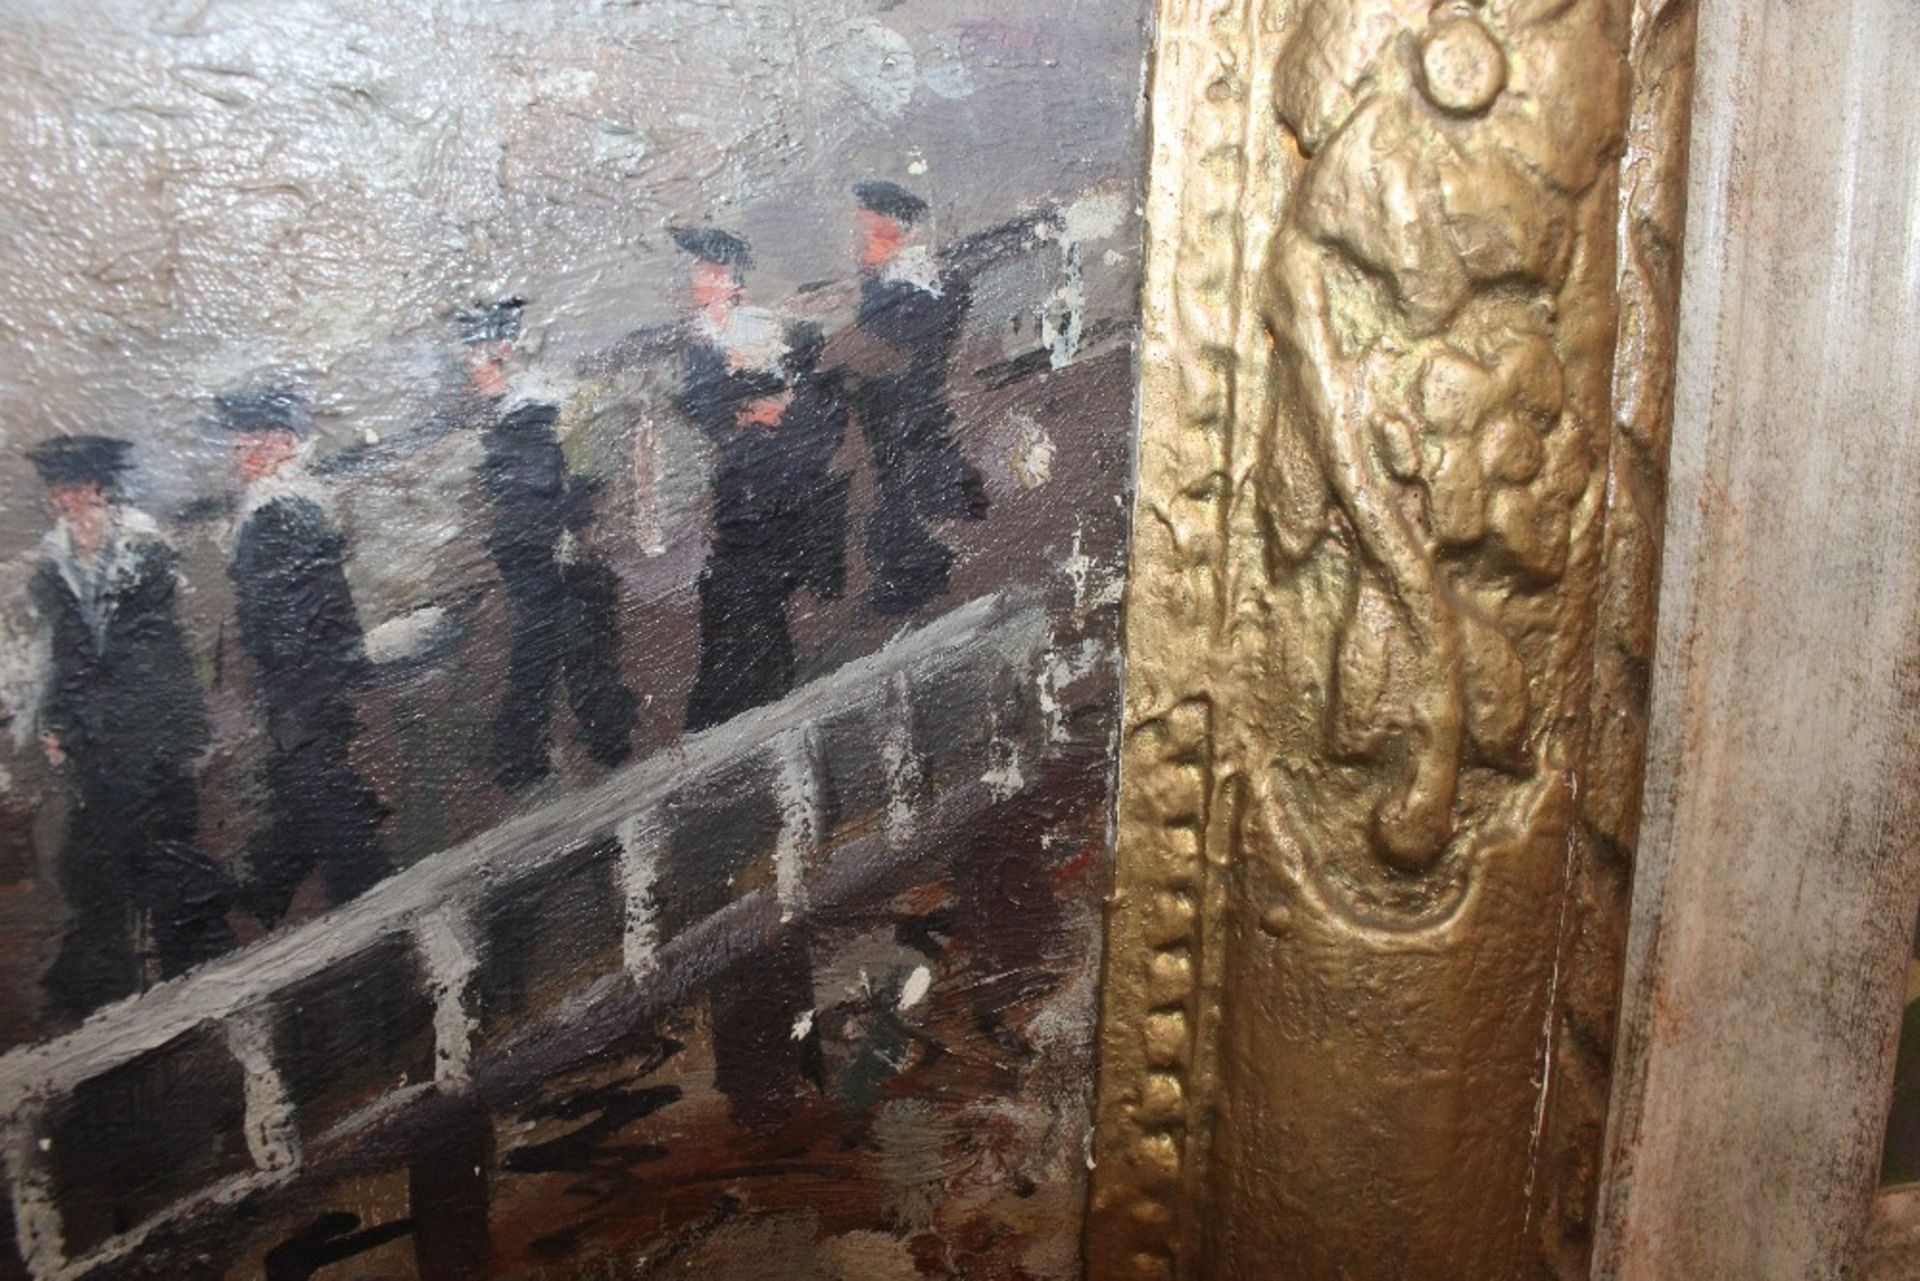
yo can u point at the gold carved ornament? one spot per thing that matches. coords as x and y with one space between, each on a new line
1406 377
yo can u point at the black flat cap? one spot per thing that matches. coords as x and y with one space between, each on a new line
263 409
80 460
710 244
891 200
533 415
491 321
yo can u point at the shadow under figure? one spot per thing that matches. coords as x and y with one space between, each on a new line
122 713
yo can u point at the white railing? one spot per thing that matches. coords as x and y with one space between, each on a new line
437 907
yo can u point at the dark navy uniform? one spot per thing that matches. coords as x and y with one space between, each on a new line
564 603
122 704
565 608
779 519
908 425
919 470
299 626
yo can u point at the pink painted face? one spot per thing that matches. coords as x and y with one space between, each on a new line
715 286
487 366
85 510
261 454
881 238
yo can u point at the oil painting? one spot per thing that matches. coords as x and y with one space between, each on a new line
1900 1158
559 581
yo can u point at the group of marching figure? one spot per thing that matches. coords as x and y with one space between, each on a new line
120 711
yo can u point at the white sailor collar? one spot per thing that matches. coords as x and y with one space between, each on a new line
531 387
93 584
291 481
914 266
752 337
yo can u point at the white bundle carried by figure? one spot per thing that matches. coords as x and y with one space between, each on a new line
418 638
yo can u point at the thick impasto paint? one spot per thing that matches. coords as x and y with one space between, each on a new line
559 569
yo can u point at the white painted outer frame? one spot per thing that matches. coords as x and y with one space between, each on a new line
1779 864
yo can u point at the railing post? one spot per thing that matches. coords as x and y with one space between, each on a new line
445 942
797 788
902 763
1050 673
1005 774
273 1137
639 873
38 1232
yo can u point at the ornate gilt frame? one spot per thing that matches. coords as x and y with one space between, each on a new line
1406 385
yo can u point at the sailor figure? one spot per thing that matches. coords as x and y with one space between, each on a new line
774 421
299 626
122 716
564 601
910 319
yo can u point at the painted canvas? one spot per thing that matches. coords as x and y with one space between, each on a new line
1900 1158
559 571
